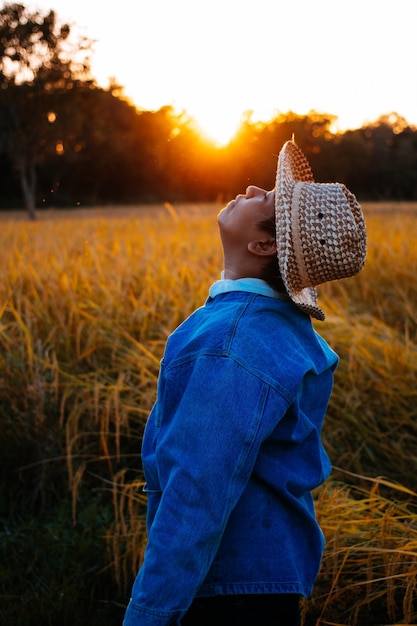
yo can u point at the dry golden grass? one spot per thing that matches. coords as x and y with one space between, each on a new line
87 300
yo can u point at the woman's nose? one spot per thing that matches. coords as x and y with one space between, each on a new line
253 191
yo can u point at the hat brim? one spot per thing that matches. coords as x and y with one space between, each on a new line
293 167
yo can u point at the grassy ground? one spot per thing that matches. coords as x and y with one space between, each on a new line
87 299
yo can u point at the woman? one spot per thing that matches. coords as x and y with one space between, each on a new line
232 448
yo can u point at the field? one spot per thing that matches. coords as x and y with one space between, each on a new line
87 300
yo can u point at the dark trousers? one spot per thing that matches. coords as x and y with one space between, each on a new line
245 610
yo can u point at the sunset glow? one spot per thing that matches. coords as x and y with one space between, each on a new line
216 125
217 60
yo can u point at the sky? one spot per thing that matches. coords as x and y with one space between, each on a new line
217 59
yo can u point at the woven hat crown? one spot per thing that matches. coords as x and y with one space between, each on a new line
321 233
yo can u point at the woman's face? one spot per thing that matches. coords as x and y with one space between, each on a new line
239 220
246 242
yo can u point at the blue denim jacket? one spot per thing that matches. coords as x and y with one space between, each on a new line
231 452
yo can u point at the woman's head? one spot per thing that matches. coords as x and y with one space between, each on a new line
247 232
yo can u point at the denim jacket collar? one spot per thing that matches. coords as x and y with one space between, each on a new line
251 285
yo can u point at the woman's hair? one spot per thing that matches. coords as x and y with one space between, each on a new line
270 271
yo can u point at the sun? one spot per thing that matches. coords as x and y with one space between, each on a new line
220 126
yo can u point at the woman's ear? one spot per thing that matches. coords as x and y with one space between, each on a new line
263 247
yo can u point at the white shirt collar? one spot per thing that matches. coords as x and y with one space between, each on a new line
251 285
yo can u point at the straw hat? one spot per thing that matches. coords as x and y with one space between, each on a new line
320 229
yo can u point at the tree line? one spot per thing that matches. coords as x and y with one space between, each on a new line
66 142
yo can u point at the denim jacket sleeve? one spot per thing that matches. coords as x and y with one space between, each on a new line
200 445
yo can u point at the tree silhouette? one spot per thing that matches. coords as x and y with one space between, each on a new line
71 142
40 69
